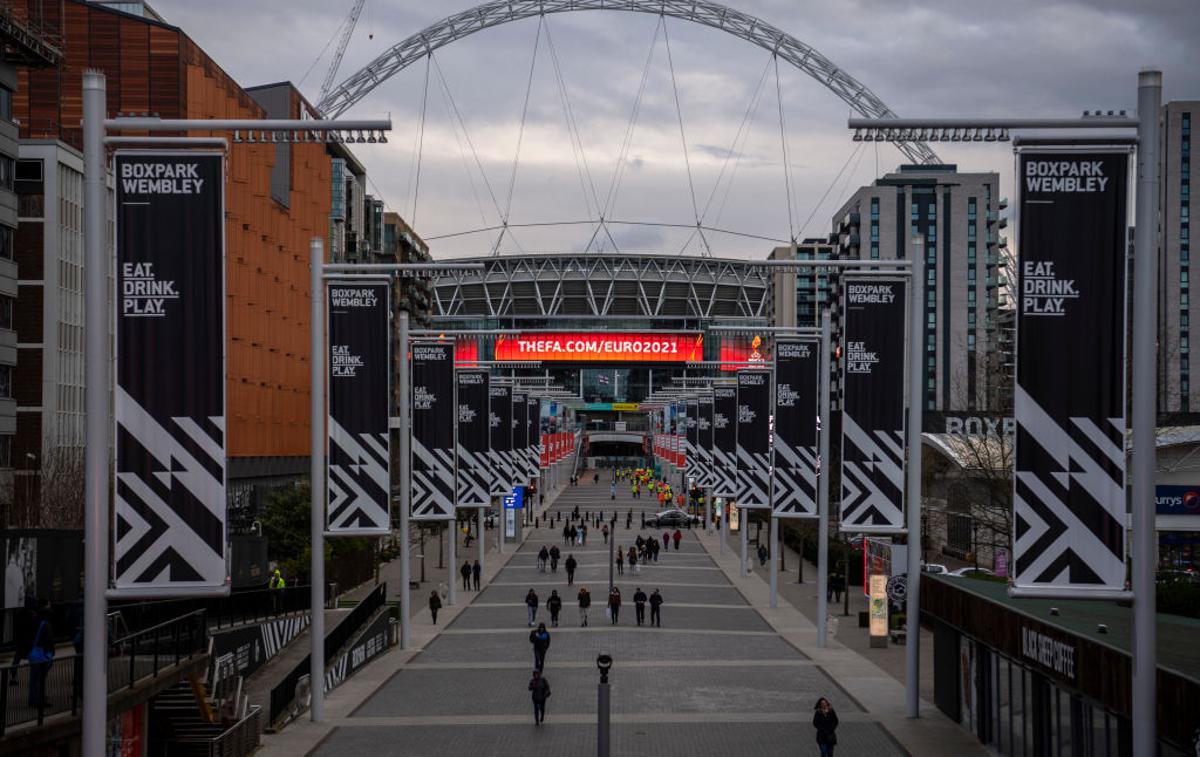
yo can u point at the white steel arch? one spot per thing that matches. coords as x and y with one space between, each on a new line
714 15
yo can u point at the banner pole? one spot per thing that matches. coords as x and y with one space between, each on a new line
774 561
916 401
1145 306
452 563
317 479
823 484
482 542
745 535
405 369
95 542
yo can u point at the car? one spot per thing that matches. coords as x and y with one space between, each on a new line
934 568
1178 577
962 572
671 518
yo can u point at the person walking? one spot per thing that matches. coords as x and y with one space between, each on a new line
825 720
542 557
604 531
585 601
620 562
540 639
41 657
583 535
762 555
539 689
614 605
839 585
574 535
567 535
554 605
531 604
656 601
666 542
654 548
612 491
465 570
639 605
435 604
633 561
570 565
554 555
476 569
677 537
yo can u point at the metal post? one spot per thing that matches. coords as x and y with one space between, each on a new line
745 534
774 561
612 540
723 523
916 402
317 476
1145 307
405 485
479 527
823 483
603 727
452 564
95 543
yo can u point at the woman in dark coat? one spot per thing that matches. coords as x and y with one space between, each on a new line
435 604
825 720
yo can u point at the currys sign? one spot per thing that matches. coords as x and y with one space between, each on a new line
1177 500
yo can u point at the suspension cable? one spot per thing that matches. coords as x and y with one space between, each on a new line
682 138
512 179
462 154
419 148
581 165
783 146
828 189
618 168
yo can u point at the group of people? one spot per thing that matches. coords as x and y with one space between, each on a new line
644 478
584 598
33 641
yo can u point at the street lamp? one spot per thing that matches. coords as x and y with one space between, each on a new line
604 662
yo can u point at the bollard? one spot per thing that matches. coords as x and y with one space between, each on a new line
537 522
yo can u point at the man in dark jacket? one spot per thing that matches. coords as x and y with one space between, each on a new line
639 605
656 601
570 565
531 604
540 639
554 605
476 569
543 556
23 626
465 571
554 555
540 692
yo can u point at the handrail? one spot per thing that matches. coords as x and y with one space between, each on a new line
56 687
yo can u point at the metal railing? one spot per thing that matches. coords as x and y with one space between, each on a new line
55 688
238 740
222 612
284 693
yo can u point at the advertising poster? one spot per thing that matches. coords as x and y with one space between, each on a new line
797 364
433 437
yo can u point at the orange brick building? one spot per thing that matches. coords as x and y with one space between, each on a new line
152 67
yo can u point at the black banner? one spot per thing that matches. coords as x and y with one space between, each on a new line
873 404
500 423
474 442
725 440
359 380
520 438
753 439
1069 529
533 416
797 364
169 534
704 445
433 442
691 443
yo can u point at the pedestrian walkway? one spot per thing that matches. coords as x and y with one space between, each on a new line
724 675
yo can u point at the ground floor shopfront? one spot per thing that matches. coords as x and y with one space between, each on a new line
1039 678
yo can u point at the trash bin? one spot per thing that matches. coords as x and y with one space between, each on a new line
331 602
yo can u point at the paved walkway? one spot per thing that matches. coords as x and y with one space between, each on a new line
724 675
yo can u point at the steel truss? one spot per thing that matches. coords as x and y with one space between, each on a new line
855 94
601 285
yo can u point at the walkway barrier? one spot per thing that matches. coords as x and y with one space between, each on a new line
283 696
131 659
237 608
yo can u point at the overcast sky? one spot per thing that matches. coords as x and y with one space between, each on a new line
938 57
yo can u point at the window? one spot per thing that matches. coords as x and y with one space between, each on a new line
6 103
875 250
972 213
932 318
874 208
874 232
970 232
8 170
1184 213
1183 276
933 211
5 451
6 242
970 341
915 211
971 272
1184 255
6 312
1184 320
6 376
931 235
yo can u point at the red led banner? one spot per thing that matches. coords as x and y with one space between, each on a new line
601 347
736 352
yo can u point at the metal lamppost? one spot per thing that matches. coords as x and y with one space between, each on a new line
603 728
